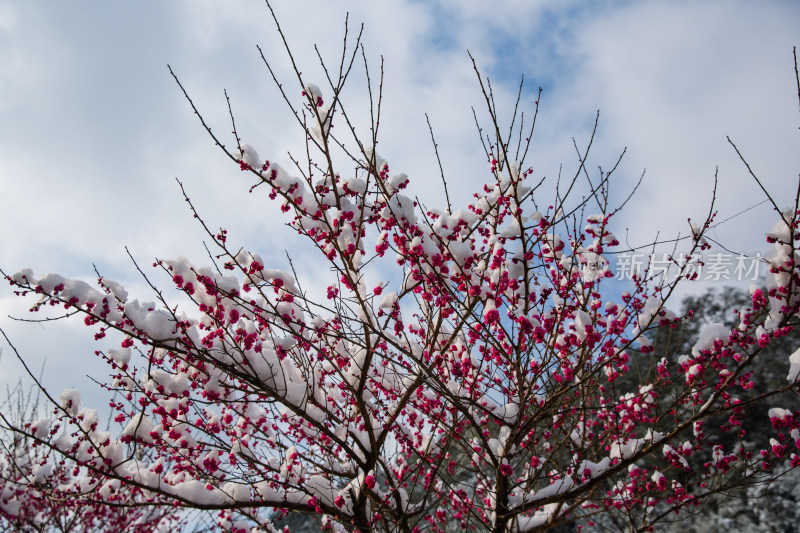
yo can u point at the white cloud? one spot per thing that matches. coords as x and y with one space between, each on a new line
9 20
673 79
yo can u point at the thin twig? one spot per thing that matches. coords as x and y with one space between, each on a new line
439 161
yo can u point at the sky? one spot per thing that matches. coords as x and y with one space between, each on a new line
94 131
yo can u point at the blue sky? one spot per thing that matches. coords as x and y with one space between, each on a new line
93 131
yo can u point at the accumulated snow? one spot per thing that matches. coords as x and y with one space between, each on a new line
40 428
249 156
710 334
140 426
156 323
388 300
582 319
629 448
794 368
121 357
197 492
71 401
779 413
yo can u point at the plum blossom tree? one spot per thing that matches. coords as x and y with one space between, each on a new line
462 370
41 492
